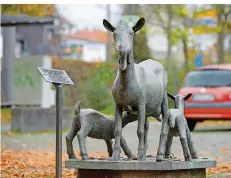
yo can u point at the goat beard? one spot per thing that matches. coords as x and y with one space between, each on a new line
123 61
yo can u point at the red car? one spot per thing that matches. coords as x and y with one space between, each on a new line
211 94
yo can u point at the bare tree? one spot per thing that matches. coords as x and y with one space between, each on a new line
223 11
162 16
169 34
175 23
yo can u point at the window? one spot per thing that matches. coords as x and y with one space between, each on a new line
208 78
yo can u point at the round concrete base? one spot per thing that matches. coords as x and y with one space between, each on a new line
142 169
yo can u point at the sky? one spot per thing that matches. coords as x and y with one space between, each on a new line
89 15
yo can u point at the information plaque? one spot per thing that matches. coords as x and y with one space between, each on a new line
55 76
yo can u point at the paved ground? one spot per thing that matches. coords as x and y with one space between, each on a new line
213 141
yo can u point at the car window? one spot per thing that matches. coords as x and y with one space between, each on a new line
208 78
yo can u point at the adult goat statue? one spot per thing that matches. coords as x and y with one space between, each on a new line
138 88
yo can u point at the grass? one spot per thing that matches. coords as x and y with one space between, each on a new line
6 114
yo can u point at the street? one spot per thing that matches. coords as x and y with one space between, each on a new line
210 140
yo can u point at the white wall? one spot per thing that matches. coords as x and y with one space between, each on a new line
92 51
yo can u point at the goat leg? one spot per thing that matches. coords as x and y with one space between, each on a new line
81 135
162 141
117 133
126 149
69 139
140 132
109 147
168 146
183 140
146 127
164 128
190 144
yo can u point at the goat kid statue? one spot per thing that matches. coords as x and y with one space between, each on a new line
93 124
138 88
178 127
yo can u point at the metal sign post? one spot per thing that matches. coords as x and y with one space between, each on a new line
57 78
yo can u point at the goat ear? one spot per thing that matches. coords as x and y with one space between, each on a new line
187 96
139 24
108 26
171 96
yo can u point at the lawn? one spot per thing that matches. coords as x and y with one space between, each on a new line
6 115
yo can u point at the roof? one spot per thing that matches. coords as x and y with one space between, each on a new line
216 66
13 20
93 36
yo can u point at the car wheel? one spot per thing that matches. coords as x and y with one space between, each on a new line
191 124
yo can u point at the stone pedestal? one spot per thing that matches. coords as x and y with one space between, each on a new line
142 169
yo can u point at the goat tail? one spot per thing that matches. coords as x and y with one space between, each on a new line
77 108
172 120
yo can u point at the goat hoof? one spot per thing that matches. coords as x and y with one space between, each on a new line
132 157
141 156
116 155
195 157
72 156
169 156
188 158
85 158
160 158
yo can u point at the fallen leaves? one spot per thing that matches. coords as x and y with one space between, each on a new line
214 123
41 164
221 167
224 150
31 164
36 164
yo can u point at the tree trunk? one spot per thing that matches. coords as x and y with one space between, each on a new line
220 35
169 36
185 48
220 46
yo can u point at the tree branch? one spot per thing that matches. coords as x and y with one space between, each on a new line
226 14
